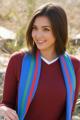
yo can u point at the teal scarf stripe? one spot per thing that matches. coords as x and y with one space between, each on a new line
35 81
22 80
27 88
28 83
71 71
32 82
72 75
70 83
68 100
37 72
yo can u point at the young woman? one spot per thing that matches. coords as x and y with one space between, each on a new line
43 83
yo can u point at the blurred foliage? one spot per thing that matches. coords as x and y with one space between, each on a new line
71 48
20 42
10 47
18 10
21 34
11 15
16 45
31 4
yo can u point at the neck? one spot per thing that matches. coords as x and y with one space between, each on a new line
49 55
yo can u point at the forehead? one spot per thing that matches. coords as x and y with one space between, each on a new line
42 20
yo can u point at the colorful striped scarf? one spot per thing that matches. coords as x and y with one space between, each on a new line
29 78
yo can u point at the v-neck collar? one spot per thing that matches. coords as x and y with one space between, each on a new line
49 62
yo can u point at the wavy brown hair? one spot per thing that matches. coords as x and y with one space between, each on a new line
58 20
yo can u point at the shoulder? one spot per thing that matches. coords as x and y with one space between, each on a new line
76 62
15 59
17 56
76 65
15 62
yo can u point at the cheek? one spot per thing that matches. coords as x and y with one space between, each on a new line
53 37
50 36
33 34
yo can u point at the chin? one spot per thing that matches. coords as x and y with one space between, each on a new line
41 48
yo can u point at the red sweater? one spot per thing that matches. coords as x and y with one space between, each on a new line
49 102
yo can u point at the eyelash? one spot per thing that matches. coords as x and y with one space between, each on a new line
34 28
44 29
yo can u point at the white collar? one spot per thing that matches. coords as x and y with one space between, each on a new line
49 62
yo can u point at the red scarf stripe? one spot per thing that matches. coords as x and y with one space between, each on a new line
68 79
33 83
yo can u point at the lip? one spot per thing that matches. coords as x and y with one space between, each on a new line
40 41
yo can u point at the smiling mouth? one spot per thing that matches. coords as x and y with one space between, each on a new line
40 42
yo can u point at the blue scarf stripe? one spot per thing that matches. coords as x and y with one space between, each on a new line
22 79
71 71
28 86
73 79
72 75
30 83
68 109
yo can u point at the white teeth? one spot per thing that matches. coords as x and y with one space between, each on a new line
40 41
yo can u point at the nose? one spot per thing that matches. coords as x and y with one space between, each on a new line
39 34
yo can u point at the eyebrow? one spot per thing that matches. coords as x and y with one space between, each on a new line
43 26
47 26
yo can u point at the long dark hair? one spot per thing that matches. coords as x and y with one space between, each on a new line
58 20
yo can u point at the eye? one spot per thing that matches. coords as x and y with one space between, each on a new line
46 29
34 28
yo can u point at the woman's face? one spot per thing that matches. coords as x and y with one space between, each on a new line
42 34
